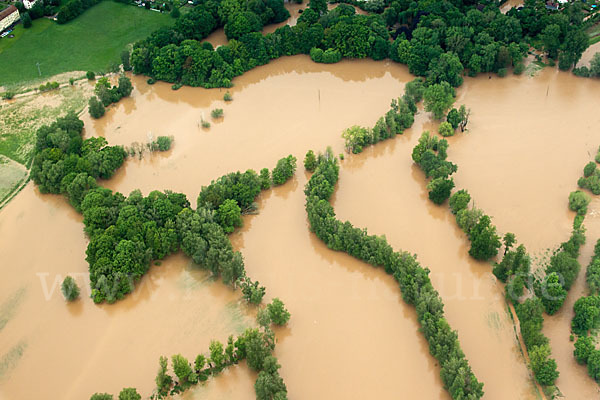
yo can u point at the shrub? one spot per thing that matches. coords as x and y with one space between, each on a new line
459 201
328 56
125 87
519 68
90 75
589 169
229 215
578 202
205 124
96 108
69 289
217 113
583 72
126 60
151 81
164 143
8 95
102 396
310 161
284 170
176 86
279 315
484 240
265 179
552 293
439 189
26 18
446 129
71 81
502 72
355 137
594 365
595 65
583 348
227 96
129 394
543 367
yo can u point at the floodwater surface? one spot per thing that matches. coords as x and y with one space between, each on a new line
384 191
77 349
350 336
74 350
525 148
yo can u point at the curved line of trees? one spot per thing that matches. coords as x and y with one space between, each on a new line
414 282
255 345
437 40
546 293
586 318
127 233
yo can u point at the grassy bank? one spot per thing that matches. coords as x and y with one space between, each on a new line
89 42
19 120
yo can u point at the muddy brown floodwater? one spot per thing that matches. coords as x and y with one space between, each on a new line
350 336
384 191
75 350
526 147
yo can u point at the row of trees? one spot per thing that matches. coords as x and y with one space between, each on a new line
256 346
394 122
177 55
413 279
514 268
430 155
587 318
437 40
515 271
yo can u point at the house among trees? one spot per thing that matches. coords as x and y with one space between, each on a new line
8 17
29 3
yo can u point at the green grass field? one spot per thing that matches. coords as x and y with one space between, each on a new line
90 42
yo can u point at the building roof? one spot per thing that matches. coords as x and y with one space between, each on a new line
7 11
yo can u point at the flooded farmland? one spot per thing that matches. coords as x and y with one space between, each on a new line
350 335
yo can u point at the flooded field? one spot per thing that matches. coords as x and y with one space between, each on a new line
473 299
525 149
350 335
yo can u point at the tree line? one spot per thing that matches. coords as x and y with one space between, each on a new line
586 318
547 292
438 40
412 278
255 346
127 233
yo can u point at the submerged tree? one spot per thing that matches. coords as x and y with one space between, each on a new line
69 289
